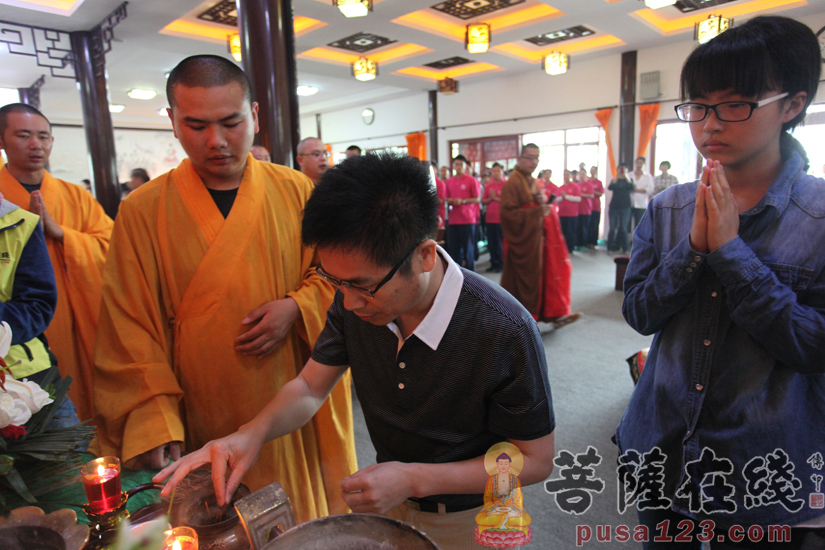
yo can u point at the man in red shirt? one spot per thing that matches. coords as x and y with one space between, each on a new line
586 189
463 196
569 210
491 199
595 208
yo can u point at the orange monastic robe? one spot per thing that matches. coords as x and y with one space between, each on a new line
178 282
78 267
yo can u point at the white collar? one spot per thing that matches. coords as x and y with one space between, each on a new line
431 329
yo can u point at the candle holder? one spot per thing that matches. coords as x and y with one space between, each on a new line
107 502
181 538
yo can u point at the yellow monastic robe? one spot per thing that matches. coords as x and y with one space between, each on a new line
178 282
513 499
78 267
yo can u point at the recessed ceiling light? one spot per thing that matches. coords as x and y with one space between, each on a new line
166 74
162 111
307 90
142 94
116 108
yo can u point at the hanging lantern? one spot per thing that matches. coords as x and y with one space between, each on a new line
365 69
477 39
556 63
711 27
234 43
448 86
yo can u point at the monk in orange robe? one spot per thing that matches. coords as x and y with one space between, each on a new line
77 234
211 304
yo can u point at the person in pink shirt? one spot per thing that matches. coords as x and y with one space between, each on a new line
569 210
595 208
586 189
463 196
491 199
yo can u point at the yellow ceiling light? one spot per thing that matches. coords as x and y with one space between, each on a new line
389 54
215 32
233 41
556 63
453 72
711 27
477 38
434 22
448 86
364 69
534 54
670 22
353 8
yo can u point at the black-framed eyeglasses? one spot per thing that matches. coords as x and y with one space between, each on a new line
367 293
727 111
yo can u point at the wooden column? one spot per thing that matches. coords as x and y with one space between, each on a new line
90 73
268 50
432 105
627 111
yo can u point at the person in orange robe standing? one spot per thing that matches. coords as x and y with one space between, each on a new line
77 234
211 304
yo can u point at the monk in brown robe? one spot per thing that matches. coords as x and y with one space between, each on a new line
536 265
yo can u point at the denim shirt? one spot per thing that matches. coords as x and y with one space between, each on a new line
737 361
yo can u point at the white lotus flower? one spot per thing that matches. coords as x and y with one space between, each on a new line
5 339
30 393
13 411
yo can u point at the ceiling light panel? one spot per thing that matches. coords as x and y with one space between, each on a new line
468 9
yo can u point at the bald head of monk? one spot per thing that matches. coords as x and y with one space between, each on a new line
26 136
213 117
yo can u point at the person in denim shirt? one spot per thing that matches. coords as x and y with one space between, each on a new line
728 274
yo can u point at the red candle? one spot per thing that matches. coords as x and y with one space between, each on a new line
101 480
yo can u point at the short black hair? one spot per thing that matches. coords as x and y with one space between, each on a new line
354 148
643 159
665 162
206 71
529 146
6 110
462 158
765 53
141 173
381 205
497 164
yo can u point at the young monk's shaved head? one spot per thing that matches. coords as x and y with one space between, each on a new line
206 71
6 110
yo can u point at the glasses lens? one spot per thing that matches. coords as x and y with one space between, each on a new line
691 112
733 112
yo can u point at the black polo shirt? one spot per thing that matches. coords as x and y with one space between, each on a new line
484 383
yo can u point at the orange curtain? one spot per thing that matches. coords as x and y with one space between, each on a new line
603 116
648 115
417 145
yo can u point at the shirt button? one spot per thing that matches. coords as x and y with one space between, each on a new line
698 258
692 264
690 270
400 386
714 294
402 365
699 387
707 342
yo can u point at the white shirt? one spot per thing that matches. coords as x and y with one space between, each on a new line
432 328
644 189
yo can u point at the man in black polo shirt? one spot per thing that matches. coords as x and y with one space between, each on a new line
445 363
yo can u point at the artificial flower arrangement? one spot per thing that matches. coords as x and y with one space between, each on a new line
35 458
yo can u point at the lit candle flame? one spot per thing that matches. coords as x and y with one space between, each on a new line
101 470
176 545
